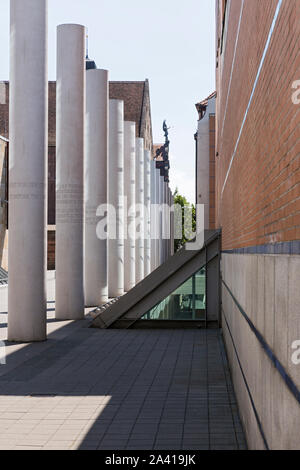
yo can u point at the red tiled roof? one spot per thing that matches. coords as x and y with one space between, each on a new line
205 102
132 93
202 105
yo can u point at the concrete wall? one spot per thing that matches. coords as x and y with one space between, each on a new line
267 289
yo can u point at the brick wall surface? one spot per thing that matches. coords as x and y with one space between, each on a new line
212 160
51 184
52 114
260 201
51 250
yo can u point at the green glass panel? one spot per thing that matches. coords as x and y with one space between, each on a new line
187 302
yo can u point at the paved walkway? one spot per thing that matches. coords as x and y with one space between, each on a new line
118 389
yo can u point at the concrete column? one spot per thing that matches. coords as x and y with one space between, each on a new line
147 203
116 199
171 250
157 217
162 202
172 225
27 171
169 221
153 215
96 153
139 198
158 234
160 219
129 188
70 109
203 165
167 218
166 221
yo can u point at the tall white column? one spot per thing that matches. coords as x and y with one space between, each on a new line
165 219
153 215
147 208
157 218
158 234
170 220
160 220
70 113
172 224
139 188
129 189
96 154
167 204
27 171
116 199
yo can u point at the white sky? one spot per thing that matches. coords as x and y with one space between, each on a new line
170 42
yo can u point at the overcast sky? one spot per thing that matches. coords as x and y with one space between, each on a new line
170 42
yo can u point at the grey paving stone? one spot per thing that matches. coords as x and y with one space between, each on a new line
242 447
223 447
141 442
139 447
118 389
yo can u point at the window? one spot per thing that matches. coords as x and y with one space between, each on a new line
185 303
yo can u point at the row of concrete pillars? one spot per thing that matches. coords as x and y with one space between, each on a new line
99 161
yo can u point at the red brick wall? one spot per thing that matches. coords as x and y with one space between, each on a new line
52 114
51 184
212 159
51 250
260 203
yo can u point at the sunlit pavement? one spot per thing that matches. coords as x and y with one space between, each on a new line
117 389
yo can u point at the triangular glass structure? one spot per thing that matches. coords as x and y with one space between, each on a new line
187 302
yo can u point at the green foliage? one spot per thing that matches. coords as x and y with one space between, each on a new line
186 236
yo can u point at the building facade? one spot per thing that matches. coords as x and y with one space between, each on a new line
258 209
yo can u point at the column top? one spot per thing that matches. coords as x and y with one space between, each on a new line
70 25
97 71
